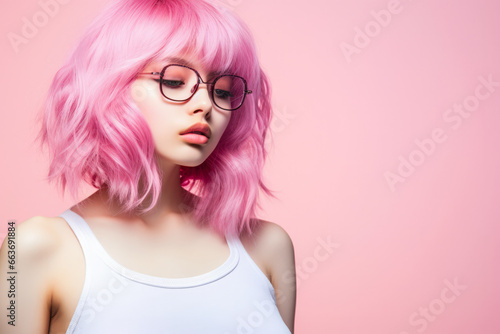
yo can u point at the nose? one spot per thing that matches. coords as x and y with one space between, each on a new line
201 99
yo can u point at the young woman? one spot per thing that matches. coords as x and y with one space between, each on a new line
163 107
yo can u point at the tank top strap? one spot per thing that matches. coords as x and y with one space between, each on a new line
81 230
250 263
84 236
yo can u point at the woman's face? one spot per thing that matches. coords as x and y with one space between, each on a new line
168 119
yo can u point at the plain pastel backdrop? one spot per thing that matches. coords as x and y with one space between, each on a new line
386 157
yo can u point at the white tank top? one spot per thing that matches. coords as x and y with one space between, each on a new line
234 298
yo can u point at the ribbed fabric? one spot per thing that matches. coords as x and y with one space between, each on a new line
234 298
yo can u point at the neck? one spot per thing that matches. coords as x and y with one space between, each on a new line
172 202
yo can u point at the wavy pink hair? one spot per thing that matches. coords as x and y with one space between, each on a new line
96 133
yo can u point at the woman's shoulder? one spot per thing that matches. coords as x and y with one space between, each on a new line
272 243
38 239
34 249
277 246
272 237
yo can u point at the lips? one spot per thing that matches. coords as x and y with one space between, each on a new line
198 128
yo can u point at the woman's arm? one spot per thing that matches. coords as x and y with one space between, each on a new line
281 262
27 291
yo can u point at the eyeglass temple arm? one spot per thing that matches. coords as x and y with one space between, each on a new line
151 73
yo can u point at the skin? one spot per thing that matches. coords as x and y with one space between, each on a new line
49 260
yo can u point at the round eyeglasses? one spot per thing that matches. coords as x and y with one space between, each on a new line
180 82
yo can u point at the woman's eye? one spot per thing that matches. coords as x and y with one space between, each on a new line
172 83
224 94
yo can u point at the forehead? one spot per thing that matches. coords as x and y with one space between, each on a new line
192 62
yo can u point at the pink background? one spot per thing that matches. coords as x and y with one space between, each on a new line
342 123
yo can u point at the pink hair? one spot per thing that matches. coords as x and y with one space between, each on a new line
96 133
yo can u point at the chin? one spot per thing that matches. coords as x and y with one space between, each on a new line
191 155
194 162
191 163
165 161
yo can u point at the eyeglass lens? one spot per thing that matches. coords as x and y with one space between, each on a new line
179 83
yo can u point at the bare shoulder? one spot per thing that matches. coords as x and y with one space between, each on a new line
273 245
33 255
277 248
274 239
38 237
38 242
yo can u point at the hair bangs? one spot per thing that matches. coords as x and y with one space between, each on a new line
203 32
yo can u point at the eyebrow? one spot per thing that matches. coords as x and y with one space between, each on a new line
182 61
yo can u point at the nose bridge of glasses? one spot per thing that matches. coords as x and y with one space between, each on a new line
199 82
195 89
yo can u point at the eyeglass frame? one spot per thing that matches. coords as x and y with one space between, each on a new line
200 80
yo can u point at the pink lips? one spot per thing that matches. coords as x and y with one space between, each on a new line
195 138
198 133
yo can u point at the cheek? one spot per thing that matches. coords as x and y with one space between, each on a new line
219 123
161 122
